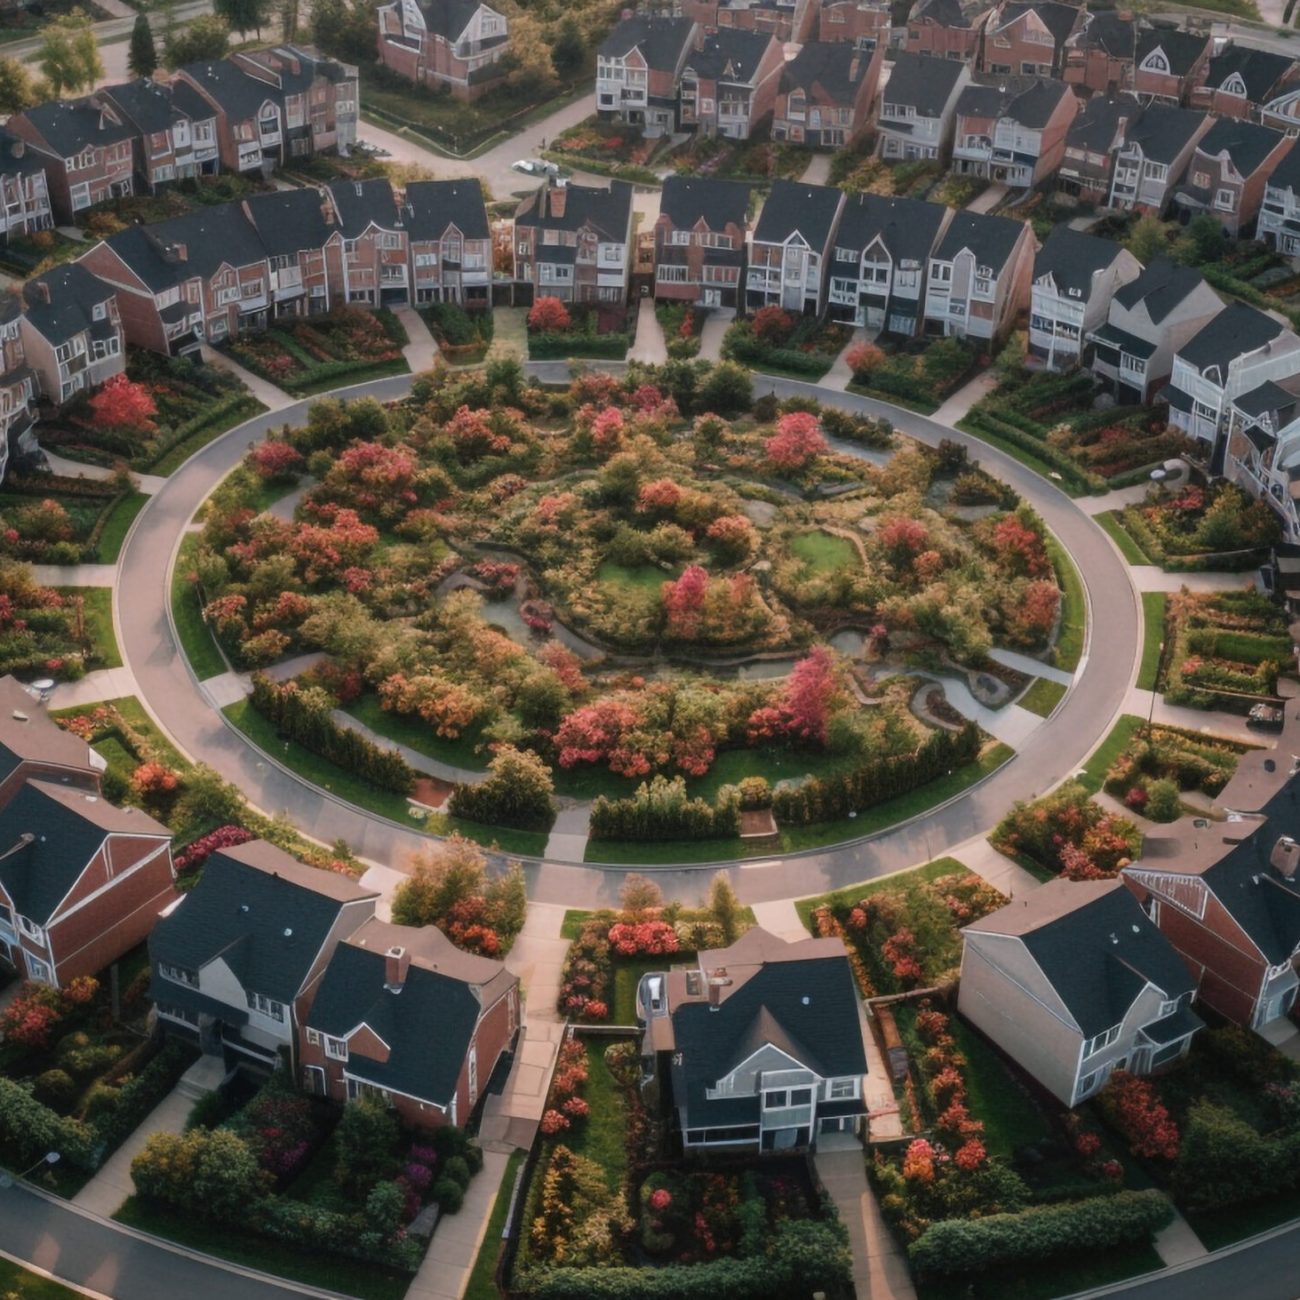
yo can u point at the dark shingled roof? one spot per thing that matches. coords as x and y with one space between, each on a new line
211 238
688 199
1235 331
946 13
791 206
1266 399
1030 101
191 103
1110 32
1260 70
1163 131
288 221
1059 19
1286 176
834 66
66 310
19 157
1072 258
68 126
449 17
730 55
1096 126
432 206
359 204
1246 144
906 227
606 210
146 103
1163 285
261 911
924 83
991 239
1181 49
238 93
660 40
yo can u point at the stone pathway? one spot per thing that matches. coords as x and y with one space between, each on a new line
965 397
650 346
879 1266
715 327
1147 577
568 838
273 398
75 575
1177 1243
106 684
422 351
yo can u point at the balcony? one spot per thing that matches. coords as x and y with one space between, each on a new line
788 1117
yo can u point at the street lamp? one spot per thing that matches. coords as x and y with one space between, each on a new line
49 1158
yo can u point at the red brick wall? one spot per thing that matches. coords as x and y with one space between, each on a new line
140 320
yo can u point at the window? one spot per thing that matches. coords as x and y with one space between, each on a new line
1168 1008
265 1006
941 272
845 255
1201 180
1225 199
31 929
1156 171
1155 62
671 274
313 1037
801 1097
99 311
983 286
336 1049
680 237
36 969
386 240
179 975
1098 1041
776 1100
907 279
843 1089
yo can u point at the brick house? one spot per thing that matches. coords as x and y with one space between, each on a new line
404 1015
942 29
249 113
978 277
638 67
1168 63
168 145
1279 214
1013 131
17 393
729 83
864 24
372 263
1028 39
237 960
700 241
319 95
1240 82
90 150
787 20
295 228
918 107
1099 56
882 248
825 93
1088 162
1074 982
760 1046
456 44
24 190
791 248
1228 173
573 242
450 242
1260 455
1151 155
71 333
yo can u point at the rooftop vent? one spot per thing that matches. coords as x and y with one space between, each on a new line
19 716
1285 857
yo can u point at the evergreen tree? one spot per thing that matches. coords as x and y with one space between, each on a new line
142 58
243 15
569 49
206 38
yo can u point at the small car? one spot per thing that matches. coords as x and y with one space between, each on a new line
1267 717
535 167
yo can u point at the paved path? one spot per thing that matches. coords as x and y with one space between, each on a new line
989 199
421 352
1213 723
650 345
1006 876
1147 577
965 397
818 171
839 376
75 575
1177 1243
780 918
1033 667
105 684
711 334
273 398
1116 500
879 1266
568 837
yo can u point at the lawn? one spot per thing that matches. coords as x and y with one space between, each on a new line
1234 1223
405 729
1153 636
133 712
1112 525
531 844
97 607
853 893
1074 608
576 917
16 1283
196 641
1071 485
643 577
1099 763
1042 697
1011 1117
117 525
601 1137
329 1272
824 552
482 1279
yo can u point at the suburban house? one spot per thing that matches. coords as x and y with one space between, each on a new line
882 249
402 1014
1088 162
1099 55
864 24
371 265
787 20
1013 132
1261 454
451 244
1228 173
168 145
319 96
295 228
1153 151
249 113
791 247
942 29
1279 213
17 393
1240 81
1168 63
1075 278
237 960
90 152
825 93
729 83
1149 319
1231 355
700 241
1028 39
1073 982
572 242
24 191
453 44
71 334
758 1047
978 277
638 67
34 747
918 107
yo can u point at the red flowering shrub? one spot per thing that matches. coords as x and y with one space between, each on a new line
863 358
549 316
772 325
1134 1108
804 711
661 1199
970 1155
918 1163
684 601
553 1121
596 1010
224 837
123 404
602 732
902 539
31 1018
1021 547
660 496
154 779
643 939
276 462
797 440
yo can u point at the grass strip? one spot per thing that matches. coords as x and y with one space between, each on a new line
97 608
1093 775
482 1284
1074 608
852 894
196 640
117 525
1042 697
1110 523
1153 635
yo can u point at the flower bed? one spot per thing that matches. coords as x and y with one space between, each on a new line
559 330
1170 755
1202 528
463 337
43 632
777 340
1067 833
681 324
921 376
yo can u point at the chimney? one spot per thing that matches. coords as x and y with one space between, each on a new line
558 196
855 66
1285 857
397 961
718 981
40 291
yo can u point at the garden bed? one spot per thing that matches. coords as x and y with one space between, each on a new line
559 330
776 341
1192 528
1068 833
463 337
45 632
920 374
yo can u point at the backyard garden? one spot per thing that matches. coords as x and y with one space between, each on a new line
45 632
1194 527
920 373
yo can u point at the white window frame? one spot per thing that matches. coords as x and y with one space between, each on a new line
336 1048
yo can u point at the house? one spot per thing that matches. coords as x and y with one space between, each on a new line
168 145
33 747
791 247
918 107
1240 81
1279 214
1228 173
296 228
758 1047
942 29
638 67
1149 319
89 148
1073 982
786 20
1232 354
1028 39
572 242
978 277
458 45
371 265
864 24
700 241
1168 63
71 333
451 244
1075 278
403 1014
1152 153
237 960
882 249
825 93
1013 131
729 83
24 190
249 113
1088 162
1262 446
1099 56
319 95
17 392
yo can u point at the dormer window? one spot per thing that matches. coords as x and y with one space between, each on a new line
99 311
179 975
336 1048
1155 62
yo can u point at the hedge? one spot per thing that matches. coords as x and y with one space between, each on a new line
661 810
312 1226
235 407
137 1097
30 1129
744 347
999 430
967 1245
559 347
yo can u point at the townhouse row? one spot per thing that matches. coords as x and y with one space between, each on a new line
253 112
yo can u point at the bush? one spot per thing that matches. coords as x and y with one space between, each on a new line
449 1194
209 1173
56 1088
1224 1161
726 390
517 793
29 1129
137 1095
662 810
1164 803
457 1169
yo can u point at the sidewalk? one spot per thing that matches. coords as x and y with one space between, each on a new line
568 838
1004 875
839 376
1228 725
989 199
780 919
965 397
75 575
1147 577
818 171
715 327
421 352
880 1269
1177 1243
273 398
106 684
650 346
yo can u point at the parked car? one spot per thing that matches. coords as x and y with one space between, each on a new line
1267 717
535 167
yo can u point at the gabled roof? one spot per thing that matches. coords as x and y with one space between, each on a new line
1095 946
238 93
1181 49
168 253
926 84
990 239
1096 125
68 126
1072 258
448 18
28 734
48 835
427 1021
288 221
360 204
686 200
1235 331
1246 144
570 207
191 103
1260 70
834 67
146 103
262 912
1163 132
60 303
906 227
946 13
793 206
1029 101
661 41
1109 31
730 54
1162 286
432 206
1286 175
19 157
1059 19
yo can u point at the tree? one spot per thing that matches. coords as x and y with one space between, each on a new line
684 601
328 23
1147 241
797 440
1206 240
517 792
206 38
549 316
142 58
69 53
243 15
726 390
725 907
638 898
507 901
569 49
123 405
451 872
16 90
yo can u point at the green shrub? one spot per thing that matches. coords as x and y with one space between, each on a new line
1163 801
449 1194
56 1088
29 1129
457 1169
1224 1161
661 810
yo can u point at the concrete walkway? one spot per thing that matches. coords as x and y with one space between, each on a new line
1210 723
880 1269
839 376
509 333
1147 577
568 838
106 684
965 397
273 398
1032 667
1116 500
75 575
989 199
1177 1243
650 345
780 918
76 468
421 352
1007 877
711 335
818 171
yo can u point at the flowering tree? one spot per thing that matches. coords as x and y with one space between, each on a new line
659 497
804 711
863 358
549 316
684 601
733 537
276 462
902 539
123 404
605 731
1021 547
797 440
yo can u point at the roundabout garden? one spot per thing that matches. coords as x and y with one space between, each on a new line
711 626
